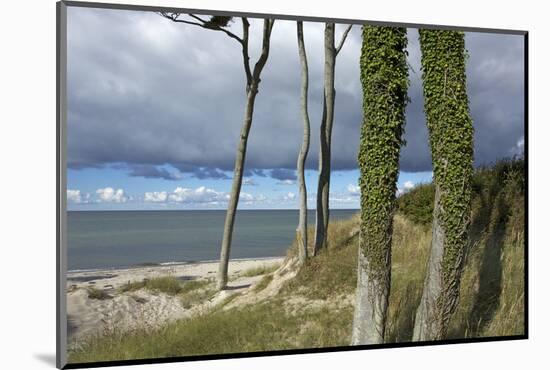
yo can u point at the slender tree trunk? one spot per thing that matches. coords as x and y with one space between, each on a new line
302 225
235 190
323 186
451 138
251 91
384 77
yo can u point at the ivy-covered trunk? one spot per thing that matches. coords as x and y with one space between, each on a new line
384 78
451 139
323 186
302 224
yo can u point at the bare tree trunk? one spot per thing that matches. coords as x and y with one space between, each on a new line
323 186
252 90
302 224
424 327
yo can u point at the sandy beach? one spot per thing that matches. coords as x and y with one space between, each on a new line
124 311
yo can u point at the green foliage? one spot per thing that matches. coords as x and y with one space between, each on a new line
384 77
492 287
451 139
418 204
507 174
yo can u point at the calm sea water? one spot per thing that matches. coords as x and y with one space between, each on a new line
112 239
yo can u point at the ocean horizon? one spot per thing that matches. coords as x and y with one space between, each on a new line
120 239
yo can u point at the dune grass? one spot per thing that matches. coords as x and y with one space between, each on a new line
262 284
165 284
260 270
491 297
95 293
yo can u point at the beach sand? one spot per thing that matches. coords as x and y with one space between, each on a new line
144 308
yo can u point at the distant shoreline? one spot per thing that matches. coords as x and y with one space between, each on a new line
168 264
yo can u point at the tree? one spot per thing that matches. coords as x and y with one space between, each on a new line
302 224
384 78
218 23
323 186
451 139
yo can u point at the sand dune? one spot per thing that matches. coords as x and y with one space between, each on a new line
143 308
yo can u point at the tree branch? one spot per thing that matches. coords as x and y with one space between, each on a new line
344 36
246 56
268 26
174 17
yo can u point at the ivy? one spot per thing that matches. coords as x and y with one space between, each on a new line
451 139
384 78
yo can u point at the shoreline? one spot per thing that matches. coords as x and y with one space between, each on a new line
119 310
168 263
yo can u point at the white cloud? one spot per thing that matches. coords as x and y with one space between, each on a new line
155 196
251 199
286 182
354 189
289 196
408 185
74 196
201 195
110 195
519 148
198 195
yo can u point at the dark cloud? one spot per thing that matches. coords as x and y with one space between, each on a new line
210 173
148 171
283 174
147 92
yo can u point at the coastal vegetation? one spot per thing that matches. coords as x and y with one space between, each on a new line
313 307
164 284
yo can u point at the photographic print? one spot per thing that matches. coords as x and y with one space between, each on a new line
237 184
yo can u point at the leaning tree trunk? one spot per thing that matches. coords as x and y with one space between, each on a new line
384 77
252 91
302 224
451 139
323 186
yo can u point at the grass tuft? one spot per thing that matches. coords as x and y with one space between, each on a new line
94 293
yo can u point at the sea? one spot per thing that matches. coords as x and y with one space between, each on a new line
119 239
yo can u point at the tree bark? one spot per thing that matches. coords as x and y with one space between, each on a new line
302 224
384 79
371 303
323 186
424 327
251 91
451 139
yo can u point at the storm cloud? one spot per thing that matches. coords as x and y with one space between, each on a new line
152 94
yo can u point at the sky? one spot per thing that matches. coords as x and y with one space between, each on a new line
155 110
